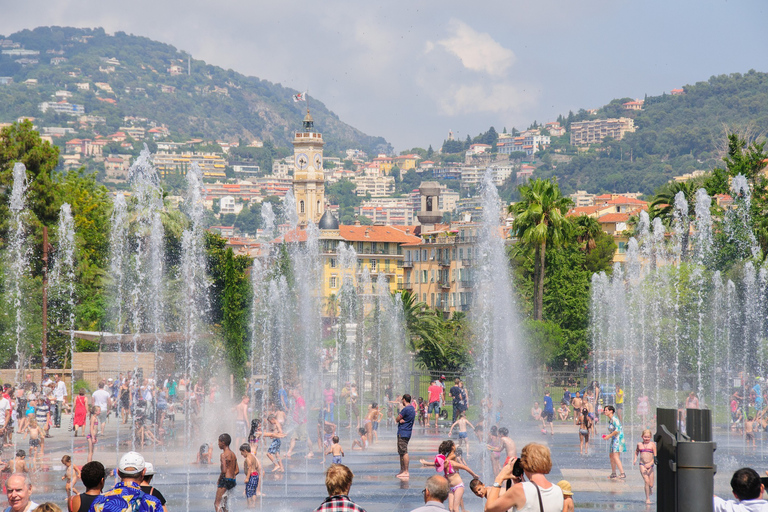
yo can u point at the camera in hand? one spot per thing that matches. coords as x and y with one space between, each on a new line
517 468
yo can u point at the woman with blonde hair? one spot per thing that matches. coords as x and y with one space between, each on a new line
531 492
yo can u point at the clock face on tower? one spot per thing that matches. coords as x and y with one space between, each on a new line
318 162
302 161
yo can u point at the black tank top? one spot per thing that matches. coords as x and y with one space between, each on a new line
85 502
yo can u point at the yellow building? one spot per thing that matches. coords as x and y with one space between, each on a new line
379 249
308 177
406 162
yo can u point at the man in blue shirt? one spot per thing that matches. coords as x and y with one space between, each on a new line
548 414
127 494
404 429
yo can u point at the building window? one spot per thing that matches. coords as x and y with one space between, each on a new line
432 297
424 297
301 206
373 265
333 282
333 262
424 277
359 247
424 255
622 247
461 254
373 247
386 265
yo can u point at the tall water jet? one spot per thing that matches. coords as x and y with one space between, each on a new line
195 304
18 255
503 365
63 280
268 220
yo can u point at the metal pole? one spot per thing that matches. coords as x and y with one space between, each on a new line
45 306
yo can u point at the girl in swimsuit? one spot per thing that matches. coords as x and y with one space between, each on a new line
446 462
92 437
254 435
585 425
646 453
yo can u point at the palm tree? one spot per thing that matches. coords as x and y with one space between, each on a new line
540 219
663 205
587 231
424 325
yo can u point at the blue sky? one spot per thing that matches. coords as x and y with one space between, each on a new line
411 71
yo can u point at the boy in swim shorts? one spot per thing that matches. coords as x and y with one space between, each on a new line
251 470
229 470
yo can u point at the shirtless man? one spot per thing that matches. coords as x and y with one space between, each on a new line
241 423
229 471
576 402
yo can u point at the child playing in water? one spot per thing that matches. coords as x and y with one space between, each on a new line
254 435
749 430
35 434
422 408
19 464
362 443
276 433
336 451
252 470
462 423
494 445
71 474
204 454
94 431
585 425
445 462
646 453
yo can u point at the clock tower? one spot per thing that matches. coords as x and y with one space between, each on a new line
308 178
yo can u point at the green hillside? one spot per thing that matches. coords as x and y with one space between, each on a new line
675 135
209 103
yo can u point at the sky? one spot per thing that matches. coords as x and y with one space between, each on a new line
411 71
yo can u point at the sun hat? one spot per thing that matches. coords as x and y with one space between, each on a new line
565 485
149 469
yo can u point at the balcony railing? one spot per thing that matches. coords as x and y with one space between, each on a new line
407 264
445 262
466 262
404 286
466 283
444 283
464 307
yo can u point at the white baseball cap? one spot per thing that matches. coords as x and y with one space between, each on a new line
132 463
149 469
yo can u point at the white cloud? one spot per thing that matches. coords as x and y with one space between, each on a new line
477 51
494 98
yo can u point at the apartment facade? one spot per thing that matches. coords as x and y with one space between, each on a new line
592 132
438 268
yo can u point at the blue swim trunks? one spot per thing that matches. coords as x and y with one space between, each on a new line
252 485
274 447
462 435
336 459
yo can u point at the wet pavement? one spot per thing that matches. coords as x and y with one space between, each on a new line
190 487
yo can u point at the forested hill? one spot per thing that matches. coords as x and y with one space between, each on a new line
675 135
210 103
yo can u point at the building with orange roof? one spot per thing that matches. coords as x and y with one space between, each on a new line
379 249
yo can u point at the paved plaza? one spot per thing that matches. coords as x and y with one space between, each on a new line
190 487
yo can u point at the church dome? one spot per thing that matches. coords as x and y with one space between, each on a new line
328 221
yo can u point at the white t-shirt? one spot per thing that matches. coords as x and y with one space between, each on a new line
30 506
101 399
5 406
60 392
